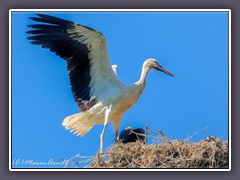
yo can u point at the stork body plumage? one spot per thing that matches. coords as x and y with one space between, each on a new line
99 94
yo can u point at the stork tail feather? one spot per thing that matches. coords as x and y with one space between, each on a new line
78 123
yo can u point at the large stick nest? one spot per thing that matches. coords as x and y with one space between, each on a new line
209 153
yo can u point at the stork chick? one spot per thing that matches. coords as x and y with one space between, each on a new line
99 94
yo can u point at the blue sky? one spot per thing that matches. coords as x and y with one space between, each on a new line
191 45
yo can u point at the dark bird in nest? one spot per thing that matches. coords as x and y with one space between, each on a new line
132 135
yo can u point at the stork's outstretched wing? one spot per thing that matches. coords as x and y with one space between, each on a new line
85 51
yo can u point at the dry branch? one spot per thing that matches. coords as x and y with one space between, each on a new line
209 153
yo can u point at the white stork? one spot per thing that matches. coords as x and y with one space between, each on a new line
99 94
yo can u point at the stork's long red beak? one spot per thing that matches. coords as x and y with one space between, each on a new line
160 68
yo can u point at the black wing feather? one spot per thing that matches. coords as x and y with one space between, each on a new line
51 20
54 36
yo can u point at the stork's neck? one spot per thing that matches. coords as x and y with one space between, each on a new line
142 81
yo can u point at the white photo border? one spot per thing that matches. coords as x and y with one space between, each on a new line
117 10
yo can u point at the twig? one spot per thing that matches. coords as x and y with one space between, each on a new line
194 134
146 126
164 137
152 131
159 137
77 156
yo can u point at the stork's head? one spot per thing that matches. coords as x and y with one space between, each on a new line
154 64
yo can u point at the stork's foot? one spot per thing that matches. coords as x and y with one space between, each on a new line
117 140
100 151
